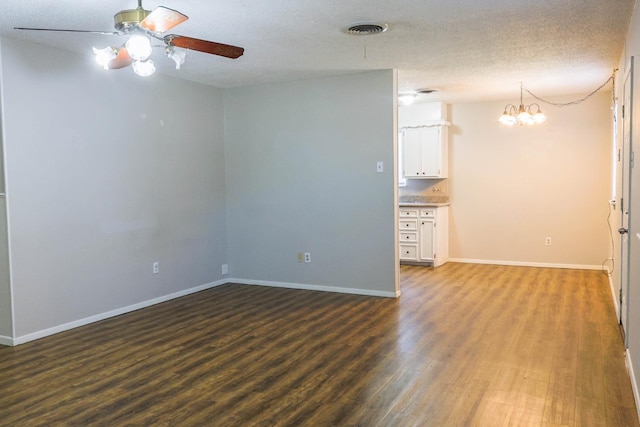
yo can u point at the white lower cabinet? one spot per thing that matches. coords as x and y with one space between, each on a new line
424 235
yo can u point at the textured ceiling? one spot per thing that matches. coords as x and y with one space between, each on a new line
467 49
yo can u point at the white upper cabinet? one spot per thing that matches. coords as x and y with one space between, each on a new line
424 152
424 137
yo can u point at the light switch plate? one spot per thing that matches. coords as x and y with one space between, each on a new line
380 167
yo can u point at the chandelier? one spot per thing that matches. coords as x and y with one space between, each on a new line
529 114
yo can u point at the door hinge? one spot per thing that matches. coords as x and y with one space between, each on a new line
618 154
623 111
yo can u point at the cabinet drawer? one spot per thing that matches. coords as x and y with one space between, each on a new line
408 213
408 236
427 213
408 224
409 252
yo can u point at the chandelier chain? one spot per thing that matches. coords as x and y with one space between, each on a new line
577 101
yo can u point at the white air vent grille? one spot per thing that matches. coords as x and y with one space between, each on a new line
367 29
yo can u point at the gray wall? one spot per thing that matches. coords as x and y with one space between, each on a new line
107 173
301 177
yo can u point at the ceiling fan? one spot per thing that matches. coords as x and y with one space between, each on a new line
141 25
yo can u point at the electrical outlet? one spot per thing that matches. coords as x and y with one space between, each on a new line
547 241
225 269
307 257
300 257
156 267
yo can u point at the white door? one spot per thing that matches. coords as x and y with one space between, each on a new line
626 163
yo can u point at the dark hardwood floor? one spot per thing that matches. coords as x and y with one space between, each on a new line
464 345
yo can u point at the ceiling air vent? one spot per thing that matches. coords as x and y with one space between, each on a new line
366 29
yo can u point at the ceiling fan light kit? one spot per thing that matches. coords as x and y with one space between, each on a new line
176 54
105 56
143 68
143 25
139 47
407 98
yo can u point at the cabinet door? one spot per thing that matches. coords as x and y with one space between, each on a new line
427 239
441 236
412 153
430 151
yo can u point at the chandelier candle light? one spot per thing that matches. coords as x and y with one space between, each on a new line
523 114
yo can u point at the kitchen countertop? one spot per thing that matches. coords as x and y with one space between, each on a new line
423 200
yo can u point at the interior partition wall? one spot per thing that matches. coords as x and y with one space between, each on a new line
6 326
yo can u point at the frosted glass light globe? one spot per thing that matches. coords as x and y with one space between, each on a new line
143 68
139 47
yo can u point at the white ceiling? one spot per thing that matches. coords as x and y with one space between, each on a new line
467 49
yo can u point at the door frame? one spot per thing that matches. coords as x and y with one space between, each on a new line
625 196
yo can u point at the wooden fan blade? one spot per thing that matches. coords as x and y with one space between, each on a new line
204 46
163 19
122 60
113 33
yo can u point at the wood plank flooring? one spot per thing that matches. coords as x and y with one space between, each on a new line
465 345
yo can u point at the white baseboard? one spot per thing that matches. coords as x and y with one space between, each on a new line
102 316
634 384
354 291
526 264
